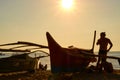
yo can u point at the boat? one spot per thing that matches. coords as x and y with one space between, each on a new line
20 59
70 59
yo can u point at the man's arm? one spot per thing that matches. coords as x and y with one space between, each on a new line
110 46
97 42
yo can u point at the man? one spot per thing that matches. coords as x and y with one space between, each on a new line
103 48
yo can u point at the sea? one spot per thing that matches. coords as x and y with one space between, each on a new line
46 60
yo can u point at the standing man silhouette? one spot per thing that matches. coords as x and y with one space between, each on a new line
103 48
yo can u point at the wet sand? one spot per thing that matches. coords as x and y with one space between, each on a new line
47 75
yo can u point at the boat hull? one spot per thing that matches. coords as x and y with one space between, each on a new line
66 59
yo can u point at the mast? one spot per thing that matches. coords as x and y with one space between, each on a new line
94 41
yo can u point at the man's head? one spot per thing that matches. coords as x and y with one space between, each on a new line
102 34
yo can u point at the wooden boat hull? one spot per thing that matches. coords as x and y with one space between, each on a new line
67 59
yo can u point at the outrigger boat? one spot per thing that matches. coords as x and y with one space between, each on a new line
68 59
71 59
21 61
62 59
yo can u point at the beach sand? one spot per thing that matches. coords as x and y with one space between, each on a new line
47 75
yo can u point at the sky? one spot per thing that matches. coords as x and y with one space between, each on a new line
29 20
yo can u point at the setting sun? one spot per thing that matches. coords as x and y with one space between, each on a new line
67 4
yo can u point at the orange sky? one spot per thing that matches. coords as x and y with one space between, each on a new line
29 20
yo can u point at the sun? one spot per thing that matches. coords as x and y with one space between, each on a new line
67 4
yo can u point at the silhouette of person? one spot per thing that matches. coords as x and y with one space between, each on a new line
103 48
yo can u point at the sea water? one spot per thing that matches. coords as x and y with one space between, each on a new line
114 62
46 60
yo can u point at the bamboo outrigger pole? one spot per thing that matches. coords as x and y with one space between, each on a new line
111 57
